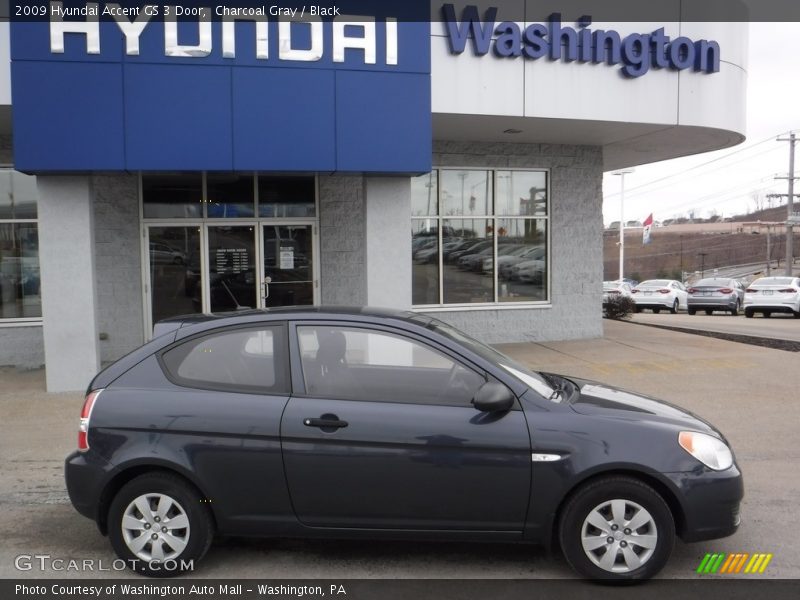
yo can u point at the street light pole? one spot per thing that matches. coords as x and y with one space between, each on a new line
622 174
789 249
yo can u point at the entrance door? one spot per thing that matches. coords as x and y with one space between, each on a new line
288 265
232 280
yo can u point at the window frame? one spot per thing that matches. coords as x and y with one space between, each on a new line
22 321
298 379
439 219
283 379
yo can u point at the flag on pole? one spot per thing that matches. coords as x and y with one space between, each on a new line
648 224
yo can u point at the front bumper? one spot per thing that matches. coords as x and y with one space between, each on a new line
710 502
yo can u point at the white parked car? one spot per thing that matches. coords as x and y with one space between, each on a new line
656 294
616 289
773 294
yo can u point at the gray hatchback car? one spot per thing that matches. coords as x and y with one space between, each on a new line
367 423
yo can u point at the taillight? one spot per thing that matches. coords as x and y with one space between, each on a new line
751 291
726 291
86 413
787 291
691 290
664 291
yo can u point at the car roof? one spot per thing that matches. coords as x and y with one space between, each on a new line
200 322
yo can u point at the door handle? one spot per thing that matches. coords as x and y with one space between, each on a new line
332 422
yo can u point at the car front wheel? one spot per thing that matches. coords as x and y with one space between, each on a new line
159 526
617 529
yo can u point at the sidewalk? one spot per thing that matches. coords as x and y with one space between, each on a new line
749 392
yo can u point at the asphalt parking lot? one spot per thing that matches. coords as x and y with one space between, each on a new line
749 392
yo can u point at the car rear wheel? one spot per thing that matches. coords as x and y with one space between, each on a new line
767 314
709 311
617 529
691 311
748 313
158 525
656 310
674 308
735 310
796 314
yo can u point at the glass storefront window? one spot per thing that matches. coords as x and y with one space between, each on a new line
522 260
175 273
282 197
425 261
172 196
521 193
230 195
466 193
465 279
18 195
424 195
501 257
20 283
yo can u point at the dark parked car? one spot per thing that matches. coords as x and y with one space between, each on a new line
364 423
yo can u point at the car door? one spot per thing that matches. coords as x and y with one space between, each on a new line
384 436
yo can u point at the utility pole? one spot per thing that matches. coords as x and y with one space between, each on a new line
769 251
789 204
702 256
622 174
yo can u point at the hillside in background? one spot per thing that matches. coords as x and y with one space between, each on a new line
699 247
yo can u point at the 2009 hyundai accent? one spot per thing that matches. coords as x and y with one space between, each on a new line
381 424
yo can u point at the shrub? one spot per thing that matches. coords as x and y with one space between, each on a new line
618 308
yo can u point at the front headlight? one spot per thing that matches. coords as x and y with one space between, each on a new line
710 451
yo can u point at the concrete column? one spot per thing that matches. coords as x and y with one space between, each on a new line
69 297
388 212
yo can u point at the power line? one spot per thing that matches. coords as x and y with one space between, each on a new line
684 171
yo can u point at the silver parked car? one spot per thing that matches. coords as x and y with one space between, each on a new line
773 294
716 293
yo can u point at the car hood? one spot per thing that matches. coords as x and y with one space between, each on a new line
604 400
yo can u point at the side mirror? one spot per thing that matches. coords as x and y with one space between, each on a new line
493 397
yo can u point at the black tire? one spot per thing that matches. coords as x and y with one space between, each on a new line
691 311
636 309
198 535
656 311
709 311
735 310
748 313
767 314
674 309
592 496
796 314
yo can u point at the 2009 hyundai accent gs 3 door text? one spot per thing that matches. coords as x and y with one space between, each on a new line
366 423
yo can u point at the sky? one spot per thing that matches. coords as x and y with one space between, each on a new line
727 185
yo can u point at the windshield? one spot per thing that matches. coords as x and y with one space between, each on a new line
530 378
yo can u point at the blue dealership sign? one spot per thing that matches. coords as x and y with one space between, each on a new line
133 86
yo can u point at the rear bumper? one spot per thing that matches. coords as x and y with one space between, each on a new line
772 307
85 476
650 301
703 303
710 502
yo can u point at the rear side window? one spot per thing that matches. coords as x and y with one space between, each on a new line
243 360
